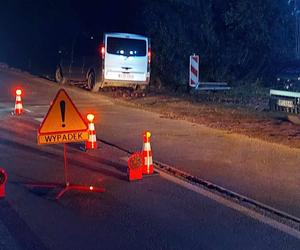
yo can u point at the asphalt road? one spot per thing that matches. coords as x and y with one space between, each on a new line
266 172
151 214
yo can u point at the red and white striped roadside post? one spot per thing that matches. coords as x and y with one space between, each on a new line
194 71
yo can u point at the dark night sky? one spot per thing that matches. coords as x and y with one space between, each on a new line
33 30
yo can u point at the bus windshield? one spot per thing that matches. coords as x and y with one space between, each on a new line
126 46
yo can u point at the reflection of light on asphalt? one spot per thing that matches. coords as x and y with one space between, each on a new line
4 111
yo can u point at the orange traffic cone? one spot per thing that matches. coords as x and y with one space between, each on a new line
147 154
18 104
92 140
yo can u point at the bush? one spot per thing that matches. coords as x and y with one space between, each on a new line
236 40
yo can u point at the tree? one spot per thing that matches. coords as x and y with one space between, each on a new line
236 39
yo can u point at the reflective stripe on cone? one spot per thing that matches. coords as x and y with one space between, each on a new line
92 140
18 105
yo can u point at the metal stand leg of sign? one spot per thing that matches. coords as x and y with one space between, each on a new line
66 165
69 187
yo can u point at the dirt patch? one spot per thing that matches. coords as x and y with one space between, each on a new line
247 116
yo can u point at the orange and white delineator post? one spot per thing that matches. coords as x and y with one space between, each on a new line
147 154
18 104
91 143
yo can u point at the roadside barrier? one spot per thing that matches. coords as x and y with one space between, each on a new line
135 167
91 143
147 154
3 179
18 104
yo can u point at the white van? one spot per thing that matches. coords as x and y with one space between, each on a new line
121 60
126 59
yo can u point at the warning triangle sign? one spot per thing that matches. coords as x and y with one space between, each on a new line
62 116
63 121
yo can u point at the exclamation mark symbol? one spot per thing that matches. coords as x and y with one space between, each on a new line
62 112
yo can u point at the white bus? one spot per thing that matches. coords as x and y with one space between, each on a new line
121 60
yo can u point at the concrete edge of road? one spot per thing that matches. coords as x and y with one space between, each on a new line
233 205
257 210
266 214
225 192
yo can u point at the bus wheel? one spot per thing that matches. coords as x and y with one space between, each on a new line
96 87
91 80
92 84
59 78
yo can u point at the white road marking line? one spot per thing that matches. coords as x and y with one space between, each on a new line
250 213
13 110
39 106
39 119
6 109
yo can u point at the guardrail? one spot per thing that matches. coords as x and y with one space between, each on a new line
286 93
212 86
